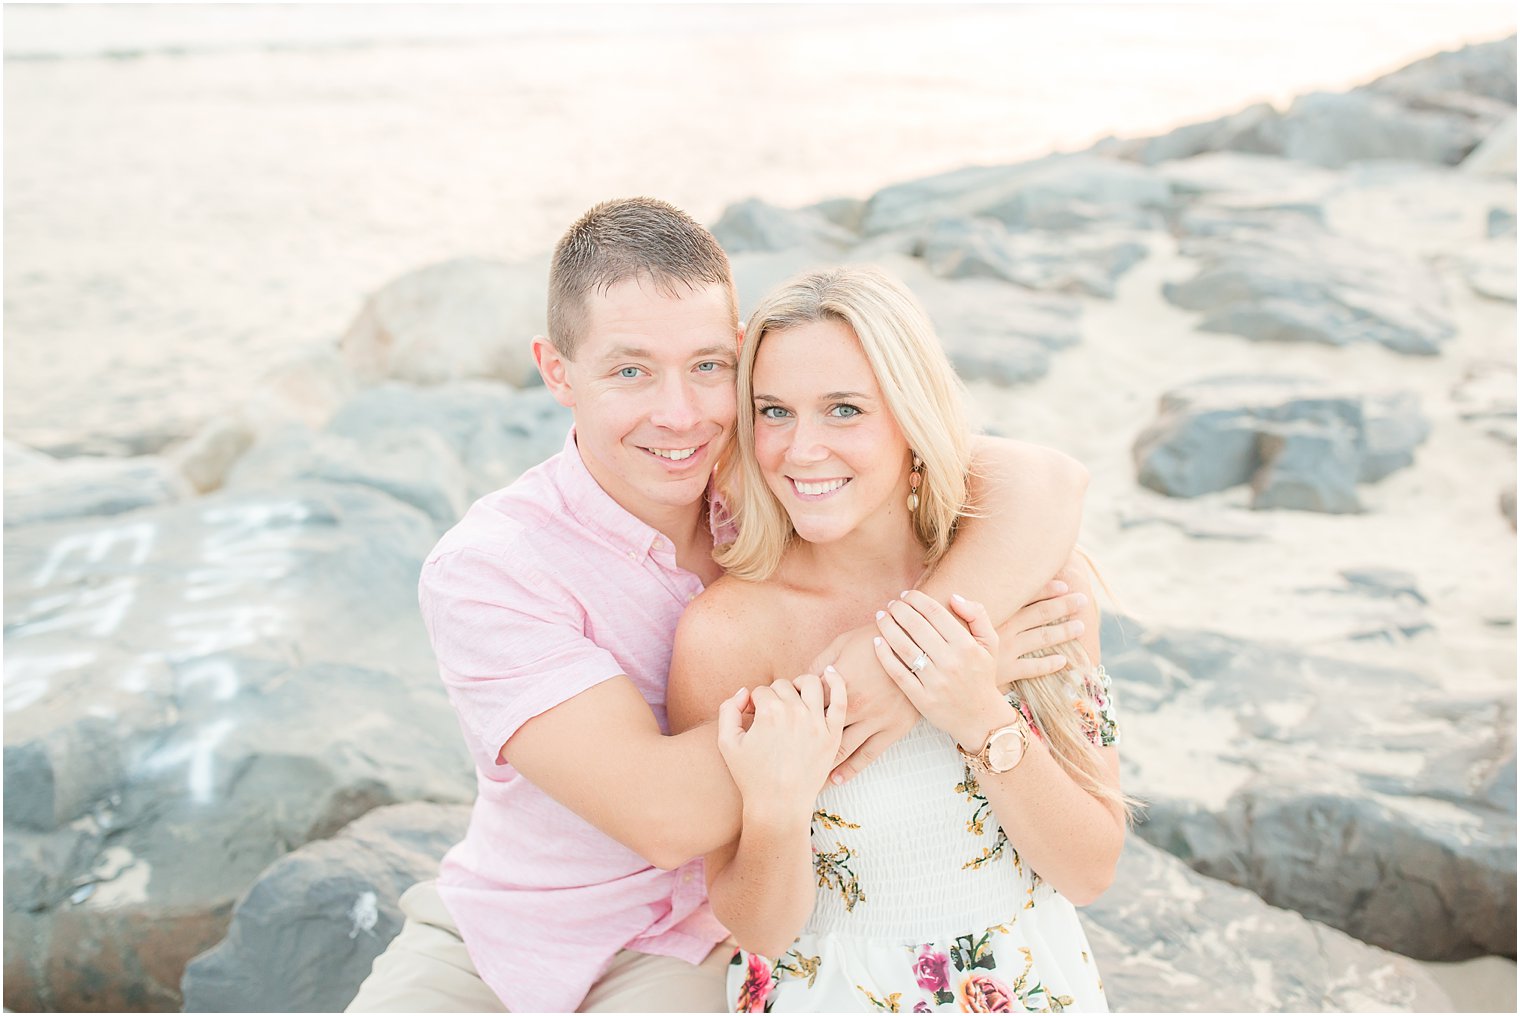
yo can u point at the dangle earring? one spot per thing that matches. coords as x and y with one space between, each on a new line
915 477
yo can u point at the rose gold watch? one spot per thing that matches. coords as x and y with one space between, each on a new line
1002 750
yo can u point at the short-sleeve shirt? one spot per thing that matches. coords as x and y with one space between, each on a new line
546 588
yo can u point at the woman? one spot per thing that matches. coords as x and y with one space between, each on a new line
914 887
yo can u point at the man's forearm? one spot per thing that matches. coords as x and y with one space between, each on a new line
1028 502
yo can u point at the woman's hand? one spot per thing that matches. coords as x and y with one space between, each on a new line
949 673
781 760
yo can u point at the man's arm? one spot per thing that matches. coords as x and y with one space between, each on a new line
601 754
1028 502
534 692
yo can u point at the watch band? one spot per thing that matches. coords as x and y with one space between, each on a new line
981 761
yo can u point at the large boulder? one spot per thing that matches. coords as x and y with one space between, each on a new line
755 225
436 448
1302 442
1167 939
1368 798
1079 264
1336 129
467 318
1249 130
306 934
1435 110
40 488
192 690
1454 79
1057 193
1301 283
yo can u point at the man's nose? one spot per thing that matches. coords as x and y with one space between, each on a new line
679 407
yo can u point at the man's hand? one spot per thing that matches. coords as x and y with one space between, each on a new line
879 712
1045 622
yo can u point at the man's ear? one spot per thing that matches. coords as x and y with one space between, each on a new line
551 367
739 337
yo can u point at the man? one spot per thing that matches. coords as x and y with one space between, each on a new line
553 606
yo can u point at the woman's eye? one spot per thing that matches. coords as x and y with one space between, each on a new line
844 411
772 412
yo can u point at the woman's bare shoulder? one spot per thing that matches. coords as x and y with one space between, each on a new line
721 646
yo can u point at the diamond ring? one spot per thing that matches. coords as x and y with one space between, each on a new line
919 662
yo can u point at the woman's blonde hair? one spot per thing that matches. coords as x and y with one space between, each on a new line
920 388
927 400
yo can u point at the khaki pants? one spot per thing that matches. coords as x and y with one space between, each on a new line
426 969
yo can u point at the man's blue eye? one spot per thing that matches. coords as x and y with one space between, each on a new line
708 366
629 372
844 411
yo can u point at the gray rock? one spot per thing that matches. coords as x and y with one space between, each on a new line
1169 940
1501 222
1307 465
1249 130
1304 284
1479 70
39 488
1076 264
993 331
191 691
306 934
436 448
1358 796
1057 192
1335 130
1383 582
845 213
467 318
755 225
1208 434
419 470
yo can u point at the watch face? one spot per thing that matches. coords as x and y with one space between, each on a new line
1004 750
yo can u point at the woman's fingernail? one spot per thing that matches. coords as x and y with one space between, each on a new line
1061 587
830 669
1078 627
877 640
1080 599
880 614
957 597
903 594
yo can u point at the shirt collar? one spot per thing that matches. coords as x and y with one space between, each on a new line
594 508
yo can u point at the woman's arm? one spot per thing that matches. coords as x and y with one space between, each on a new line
1066 834
762 888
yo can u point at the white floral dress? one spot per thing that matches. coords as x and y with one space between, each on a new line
923 904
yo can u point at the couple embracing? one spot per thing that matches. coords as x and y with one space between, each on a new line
771 654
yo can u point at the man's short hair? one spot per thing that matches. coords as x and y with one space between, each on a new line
630 238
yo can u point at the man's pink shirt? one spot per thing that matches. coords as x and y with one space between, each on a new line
545 589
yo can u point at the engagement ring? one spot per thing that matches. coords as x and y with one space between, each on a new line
919 662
